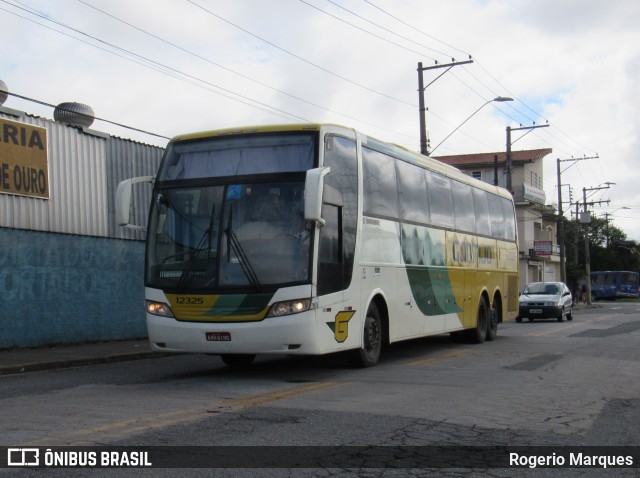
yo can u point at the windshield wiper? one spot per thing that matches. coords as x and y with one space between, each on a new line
203 243
233 244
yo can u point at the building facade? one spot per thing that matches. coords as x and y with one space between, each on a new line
68 273
537 221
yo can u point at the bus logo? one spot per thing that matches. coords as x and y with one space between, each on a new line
341 325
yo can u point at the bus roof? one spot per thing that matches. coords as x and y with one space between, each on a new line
250 130
395 150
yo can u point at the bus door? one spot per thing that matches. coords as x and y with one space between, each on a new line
338 294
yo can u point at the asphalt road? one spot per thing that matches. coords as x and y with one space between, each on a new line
547 383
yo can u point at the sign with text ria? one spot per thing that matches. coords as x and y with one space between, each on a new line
24 168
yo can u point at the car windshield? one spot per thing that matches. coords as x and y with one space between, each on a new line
542 289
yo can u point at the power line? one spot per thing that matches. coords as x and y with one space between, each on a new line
178 74
488 73
44 103
144 61
199 82
326 70
376 25
416 29
230 70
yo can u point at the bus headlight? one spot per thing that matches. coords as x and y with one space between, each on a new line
289 307
159 308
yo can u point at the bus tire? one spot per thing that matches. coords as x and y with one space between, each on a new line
369 353
237 360
492 324
495 318
478 334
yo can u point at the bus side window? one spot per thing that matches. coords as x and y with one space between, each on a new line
440 200
497 217
509 219
465 218
380 186
412 191
481 206
340 211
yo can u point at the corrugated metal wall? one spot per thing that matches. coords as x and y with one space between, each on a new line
85 168
126 159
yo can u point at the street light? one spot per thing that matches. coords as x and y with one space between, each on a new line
617 209
606 218
498 99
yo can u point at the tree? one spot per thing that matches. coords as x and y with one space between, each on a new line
609 248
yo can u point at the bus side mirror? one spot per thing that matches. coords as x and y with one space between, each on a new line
313 194
123 200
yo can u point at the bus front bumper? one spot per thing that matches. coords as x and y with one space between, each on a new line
290 335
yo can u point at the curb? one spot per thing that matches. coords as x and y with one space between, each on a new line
78 362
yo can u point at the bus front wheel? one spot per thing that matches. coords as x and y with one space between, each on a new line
369 353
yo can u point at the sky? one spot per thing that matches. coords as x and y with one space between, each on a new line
169 67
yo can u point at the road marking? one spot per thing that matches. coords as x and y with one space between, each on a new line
235 404
438 358
569 326
549 331
126 428
604 317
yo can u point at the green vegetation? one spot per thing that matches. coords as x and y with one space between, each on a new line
609 249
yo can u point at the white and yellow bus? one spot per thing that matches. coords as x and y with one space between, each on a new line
313 239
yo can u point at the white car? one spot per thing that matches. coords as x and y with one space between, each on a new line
544 300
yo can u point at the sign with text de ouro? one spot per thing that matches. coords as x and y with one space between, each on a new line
24 168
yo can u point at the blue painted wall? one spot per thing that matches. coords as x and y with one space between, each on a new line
62 288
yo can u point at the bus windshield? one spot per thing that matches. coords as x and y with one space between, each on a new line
242 235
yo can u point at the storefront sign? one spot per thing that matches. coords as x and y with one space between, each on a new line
542 248
24 167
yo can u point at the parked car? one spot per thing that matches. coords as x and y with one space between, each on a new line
544 300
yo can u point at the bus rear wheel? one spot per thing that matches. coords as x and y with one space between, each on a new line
369 354
495 315
478 334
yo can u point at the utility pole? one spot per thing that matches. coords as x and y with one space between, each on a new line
575 235
509 143
424 146
587 258
606 218
560 231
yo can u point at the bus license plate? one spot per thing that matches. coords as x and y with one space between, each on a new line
218 336
531 311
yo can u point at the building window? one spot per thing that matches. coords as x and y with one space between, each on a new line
476 175
534 179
